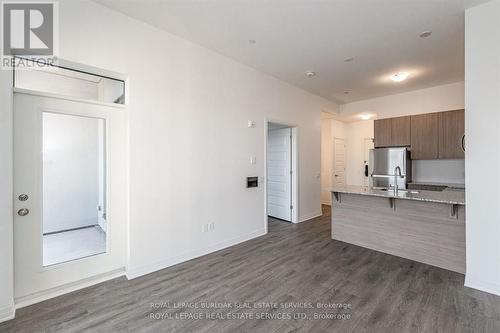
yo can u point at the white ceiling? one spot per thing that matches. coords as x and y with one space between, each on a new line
294 36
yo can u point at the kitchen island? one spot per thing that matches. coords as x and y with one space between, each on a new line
425 226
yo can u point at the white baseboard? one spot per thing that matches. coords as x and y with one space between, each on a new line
492 288
135 272
310 216
7 312
67 288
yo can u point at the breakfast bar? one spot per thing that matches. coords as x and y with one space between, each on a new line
425 226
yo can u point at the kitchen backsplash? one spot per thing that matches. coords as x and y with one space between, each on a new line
439 171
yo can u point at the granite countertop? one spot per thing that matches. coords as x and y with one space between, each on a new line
453 197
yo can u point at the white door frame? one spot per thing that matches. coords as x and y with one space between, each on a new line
295 168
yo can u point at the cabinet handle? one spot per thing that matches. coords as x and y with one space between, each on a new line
462 143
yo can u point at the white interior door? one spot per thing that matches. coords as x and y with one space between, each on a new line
368 144
53 170
279 174
339 162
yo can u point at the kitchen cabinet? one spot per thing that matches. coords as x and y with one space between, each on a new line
392 132
430 136
401 131
425 136
382 132
451 133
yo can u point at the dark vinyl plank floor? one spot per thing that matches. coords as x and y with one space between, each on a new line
292 264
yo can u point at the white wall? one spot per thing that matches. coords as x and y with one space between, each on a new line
6 204
338 129
70 171
482 121
435 99
189 141
357 132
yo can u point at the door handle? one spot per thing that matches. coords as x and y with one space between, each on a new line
462 143
23 212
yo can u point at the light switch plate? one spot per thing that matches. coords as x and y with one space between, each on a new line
253 160
251 124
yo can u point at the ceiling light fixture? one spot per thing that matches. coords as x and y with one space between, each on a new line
310 73
366 116
399 77
346 92
349 59
425 34
252 41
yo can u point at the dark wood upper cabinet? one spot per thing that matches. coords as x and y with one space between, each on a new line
451 131
401 131
425 136
430 136
382 132
392 132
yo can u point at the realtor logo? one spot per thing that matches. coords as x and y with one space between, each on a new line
28 29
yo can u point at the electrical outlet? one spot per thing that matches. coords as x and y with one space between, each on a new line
207 227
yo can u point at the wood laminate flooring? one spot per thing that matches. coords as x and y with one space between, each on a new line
292 264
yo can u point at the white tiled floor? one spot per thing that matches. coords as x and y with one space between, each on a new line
71 245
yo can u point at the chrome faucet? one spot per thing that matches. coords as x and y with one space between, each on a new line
397 173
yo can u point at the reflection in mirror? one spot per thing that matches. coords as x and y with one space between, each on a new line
74 187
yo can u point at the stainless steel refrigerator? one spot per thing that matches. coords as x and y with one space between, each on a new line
382 167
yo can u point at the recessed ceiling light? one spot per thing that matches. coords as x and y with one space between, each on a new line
399 77
425 34
252 41
349 59
310 73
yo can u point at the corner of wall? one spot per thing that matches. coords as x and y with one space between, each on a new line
479 284
309 216
7 312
